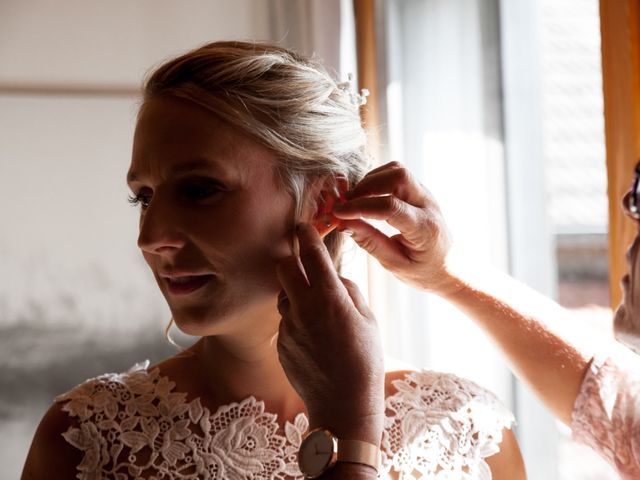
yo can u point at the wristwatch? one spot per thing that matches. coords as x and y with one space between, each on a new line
320 450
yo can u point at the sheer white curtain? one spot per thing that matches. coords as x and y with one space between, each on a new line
458 110
316 27
461 114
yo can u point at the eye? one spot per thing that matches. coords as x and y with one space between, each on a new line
197 189
142 198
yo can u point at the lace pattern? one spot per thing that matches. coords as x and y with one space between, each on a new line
442 426
133 425
606 415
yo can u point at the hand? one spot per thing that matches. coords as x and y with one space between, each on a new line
329 344
418 254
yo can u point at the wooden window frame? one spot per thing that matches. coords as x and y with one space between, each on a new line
620 32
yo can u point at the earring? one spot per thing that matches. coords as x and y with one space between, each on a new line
325 222
167 334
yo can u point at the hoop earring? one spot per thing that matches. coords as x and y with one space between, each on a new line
167 335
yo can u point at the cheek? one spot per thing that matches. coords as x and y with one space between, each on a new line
256 230
148 258
269 219
253 235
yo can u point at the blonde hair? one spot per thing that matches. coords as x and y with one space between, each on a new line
287 102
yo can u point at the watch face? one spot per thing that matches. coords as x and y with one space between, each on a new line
316 453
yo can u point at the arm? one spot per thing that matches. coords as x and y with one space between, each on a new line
526 326
532 331
50 455
507 464
330 349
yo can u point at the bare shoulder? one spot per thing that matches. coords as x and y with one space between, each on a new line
49 451
395 370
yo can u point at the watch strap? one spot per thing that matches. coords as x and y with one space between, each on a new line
356 451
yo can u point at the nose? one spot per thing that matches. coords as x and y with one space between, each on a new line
159 230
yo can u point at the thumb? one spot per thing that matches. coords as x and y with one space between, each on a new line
356 297
386 250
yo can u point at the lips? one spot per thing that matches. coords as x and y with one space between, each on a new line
185 284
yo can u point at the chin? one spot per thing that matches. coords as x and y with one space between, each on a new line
199 322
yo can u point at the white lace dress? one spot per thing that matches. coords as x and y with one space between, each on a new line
134 426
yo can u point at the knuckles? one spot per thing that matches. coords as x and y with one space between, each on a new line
402 175
395 164
393 206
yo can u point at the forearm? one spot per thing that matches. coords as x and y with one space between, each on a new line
533 332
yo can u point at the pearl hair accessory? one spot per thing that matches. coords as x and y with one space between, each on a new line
357 99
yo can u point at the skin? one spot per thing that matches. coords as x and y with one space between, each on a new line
535 334
208 218
198 223
202 188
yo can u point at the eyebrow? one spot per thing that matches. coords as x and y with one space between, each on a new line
186 167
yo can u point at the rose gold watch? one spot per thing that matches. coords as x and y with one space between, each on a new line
320 450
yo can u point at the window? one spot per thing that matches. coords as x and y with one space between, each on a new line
497 107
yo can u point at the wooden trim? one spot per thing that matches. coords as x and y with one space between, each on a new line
364 13
620 30
366 52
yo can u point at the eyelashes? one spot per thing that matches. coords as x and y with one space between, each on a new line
192 191
138 200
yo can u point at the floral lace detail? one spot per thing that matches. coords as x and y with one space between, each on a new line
133 425
442 426
606 415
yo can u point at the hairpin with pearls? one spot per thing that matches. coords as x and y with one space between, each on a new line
357 99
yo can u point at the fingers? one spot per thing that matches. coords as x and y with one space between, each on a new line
357 298
400 215
315 259
304 277
293 281
292 275
391 179
386 166
386 250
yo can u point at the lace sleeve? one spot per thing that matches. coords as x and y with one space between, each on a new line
606 415
442 426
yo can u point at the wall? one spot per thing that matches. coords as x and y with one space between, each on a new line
75 297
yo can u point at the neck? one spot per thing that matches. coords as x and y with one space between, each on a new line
237 365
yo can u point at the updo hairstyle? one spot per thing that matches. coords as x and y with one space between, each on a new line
286 102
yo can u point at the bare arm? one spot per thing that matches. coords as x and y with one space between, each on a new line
529 328
50 455
534 333
507 464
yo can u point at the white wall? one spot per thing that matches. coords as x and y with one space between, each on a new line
113 42
75 297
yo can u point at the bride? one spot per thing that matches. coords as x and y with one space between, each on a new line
235 145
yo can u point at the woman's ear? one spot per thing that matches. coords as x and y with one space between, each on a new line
331 192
